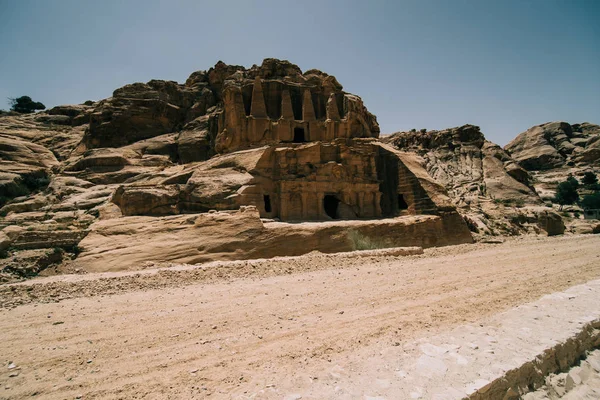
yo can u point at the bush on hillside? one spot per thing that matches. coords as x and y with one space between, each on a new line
25 105
589 178
591 202
566 192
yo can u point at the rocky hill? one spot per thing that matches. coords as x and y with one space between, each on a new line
556 145
211 169
508 191
554 151
241 163
492 191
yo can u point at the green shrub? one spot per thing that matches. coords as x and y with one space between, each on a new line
573 181
591 202
566 192
589 178
25 105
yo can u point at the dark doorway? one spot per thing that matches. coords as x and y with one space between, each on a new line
330 204
299 135
267 200
402 205
388 176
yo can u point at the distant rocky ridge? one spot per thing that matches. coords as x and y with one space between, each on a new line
552 152
506 191
556 145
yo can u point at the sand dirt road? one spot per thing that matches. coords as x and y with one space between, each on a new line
262 329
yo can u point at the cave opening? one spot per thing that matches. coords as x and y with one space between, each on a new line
267 200
402 204
330 204
299 135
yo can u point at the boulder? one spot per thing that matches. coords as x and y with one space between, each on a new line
74 114
139 200
551 222
4 242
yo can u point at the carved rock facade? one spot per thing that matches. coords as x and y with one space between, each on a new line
293 109
293 144
231 145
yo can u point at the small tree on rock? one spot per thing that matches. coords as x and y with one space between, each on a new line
573 181
25 105
589 178
591 202
566 192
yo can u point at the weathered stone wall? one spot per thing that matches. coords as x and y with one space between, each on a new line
235 235
229 108
304 177
340 179
361 177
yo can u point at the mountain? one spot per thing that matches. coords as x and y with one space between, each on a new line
240 163
492 191
232 164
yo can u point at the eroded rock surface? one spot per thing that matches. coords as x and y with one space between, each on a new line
580 382
556 144
554 151
292 145
491 190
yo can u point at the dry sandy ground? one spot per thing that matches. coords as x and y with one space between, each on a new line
260 329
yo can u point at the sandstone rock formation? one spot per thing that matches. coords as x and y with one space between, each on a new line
158 162
492 191
556 144
130 242
552 152
234 162
228 108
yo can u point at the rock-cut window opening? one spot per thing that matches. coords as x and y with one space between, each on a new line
402 204
299 135
330 204
267 200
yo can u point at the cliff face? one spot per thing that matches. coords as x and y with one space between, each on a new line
468 165
556 145
229 108
552 152
246 146
493 192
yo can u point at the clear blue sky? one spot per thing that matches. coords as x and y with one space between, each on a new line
501 64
